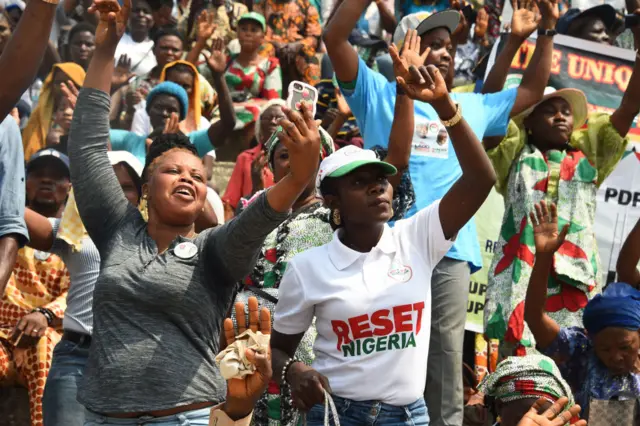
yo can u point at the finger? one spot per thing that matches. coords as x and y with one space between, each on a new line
126 9
412 40
545 211
285 138
229 332
434 74
563 232
563 418
532 216
553 213
407 41
254 314
555 408
294 124
415 75
403 84
262 363
325 383
514 5
265 321
42 331
240 317
425 54
539 215
307 115
28 328
393 52
21 324
537 406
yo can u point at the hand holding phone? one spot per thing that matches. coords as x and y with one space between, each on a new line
302 92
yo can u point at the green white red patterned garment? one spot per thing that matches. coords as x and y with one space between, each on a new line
570 179
256 83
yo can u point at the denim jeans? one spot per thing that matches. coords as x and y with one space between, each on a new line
195 417
59 404
362 413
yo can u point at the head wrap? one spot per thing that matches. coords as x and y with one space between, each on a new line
195 106
266 106
326 145
34 136
173 89
531 376
617 306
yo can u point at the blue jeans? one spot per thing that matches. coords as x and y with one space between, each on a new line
59 404
196 418
364 413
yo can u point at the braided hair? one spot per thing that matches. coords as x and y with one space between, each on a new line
162 144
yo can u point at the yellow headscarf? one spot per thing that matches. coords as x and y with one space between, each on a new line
195 108
34 136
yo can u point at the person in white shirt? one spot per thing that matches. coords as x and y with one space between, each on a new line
369 288
135 43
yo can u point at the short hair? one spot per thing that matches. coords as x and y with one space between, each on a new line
166 32
163 143
81 27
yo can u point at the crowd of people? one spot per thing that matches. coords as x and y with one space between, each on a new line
166 209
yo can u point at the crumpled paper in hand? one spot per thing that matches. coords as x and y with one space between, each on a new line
233 362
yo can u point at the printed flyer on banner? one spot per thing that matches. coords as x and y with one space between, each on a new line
603 74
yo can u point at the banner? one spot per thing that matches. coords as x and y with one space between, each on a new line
602 73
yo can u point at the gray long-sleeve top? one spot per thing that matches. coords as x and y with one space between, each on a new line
157 317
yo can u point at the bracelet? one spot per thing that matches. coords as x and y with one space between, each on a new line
285 369
47 314
455 119
399 90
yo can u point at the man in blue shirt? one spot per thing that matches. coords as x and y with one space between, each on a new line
433 165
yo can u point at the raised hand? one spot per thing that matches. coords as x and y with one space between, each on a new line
70 93
112 21
461 33
553 416
242 394
482 23
217 60
408 56
206 26
343 106
550 13
172 125
301 137
545 228
525 18
122 74
427 84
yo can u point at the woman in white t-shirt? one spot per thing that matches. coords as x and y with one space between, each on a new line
369 287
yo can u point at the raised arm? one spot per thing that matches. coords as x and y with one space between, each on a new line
547 240
237 242
466 196
101 202
622 118
627 266
40 230
403 119
523 23
387 17
32 36
221 129
536 77
205 28
336 39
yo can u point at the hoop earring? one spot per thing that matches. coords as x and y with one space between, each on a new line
143 207
336 217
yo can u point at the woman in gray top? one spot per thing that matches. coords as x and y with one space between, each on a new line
163 290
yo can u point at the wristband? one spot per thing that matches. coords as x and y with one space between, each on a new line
47 314
399 90
455 119
548 33
285 369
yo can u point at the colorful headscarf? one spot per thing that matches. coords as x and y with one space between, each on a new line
195 107
326 145
34 136
617 306
524 377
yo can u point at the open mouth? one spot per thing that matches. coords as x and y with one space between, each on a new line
186 192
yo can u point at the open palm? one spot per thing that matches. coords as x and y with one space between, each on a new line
554 416
206 26
524 22
545 228
217 61
408 56
426 85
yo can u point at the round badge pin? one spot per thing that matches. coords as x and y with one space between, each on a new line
185 250
41 255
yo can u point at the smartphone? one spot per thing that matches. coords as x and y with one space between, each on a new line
469 14
298 92
631 21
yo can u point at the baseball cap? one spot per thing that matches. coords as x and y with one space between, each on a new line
347 159
49 154
117 157
423 22
254 16
605 12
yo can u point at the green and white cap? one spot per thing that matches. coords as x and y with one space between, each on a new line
346 160
254 16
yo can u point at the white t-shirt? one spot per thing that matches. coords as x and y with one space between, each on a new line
372 310
141 54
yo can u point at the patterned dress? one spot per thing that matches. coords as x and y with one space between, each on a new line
587 376
570 179
251 87
39 280
291 22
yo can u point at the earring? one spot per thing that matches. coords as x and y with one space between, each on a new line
143 207
392 212
336 217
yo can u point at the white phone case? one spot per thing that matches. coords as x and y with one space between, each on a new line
299 91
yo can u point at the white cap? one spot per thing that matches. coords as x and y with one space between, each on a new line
347 159
117 157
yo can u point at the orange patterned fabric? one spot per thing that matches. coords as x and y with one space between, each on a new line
291 22
38 280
